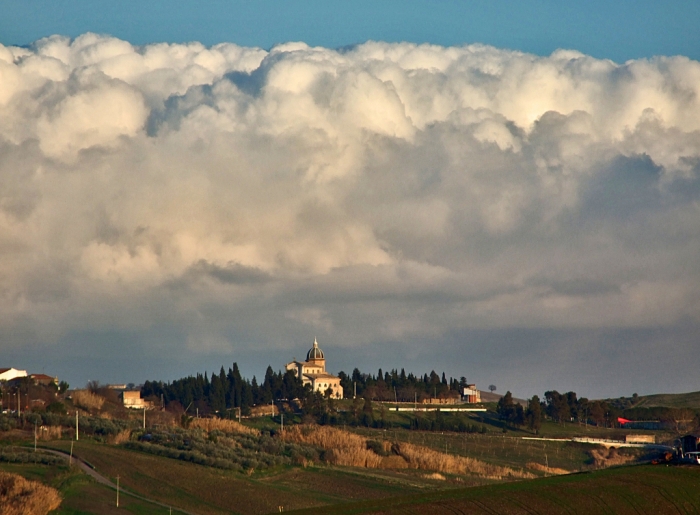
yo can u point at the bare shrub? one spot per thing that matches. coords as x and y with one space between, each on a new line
21 497
325 437
424 458
354 457
49 432
121 437
161 418
109 394
349 449
344 448
87 400
603 458
223 425
552 471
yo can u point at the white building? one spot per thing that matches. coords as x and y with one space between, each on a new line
313 372
133 400
8 374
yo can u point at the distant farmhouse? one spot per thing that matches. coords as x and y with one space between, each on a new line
470 394
43 379
313 372
132 399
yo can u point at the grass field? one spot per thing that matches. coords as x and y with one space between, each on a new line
492 425
689 400
636 490
206 490
81 494
504 450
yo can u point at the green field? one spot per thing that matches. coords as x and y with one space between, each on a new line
689 400
206 490
510 449
81 494
636 490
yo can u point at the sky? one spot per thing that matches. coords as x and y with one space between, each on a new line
507 191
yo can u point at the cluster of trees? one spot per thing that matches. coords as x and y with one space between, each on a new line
395 385
225 391
559 407
515 415
229 390
568 407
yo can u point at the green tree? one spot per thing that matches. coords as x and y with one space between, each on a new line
367 413
533 416
510 412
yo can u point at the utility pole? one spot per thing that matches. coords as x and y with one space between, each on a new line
239 414
354 393
281 422
117 491
34 436
76 426
144 419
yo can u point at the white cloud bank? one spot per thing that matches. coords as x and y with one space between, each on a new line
236 197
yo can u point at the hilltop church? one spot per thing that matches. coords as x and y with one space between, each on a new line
313 372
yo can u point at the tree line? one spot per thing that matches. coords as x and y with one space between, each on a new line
558 407
228 390
397 385
224 391
568 407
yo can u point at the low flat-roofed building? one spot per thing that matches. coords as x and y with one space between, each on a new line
8 374
470 394
133 400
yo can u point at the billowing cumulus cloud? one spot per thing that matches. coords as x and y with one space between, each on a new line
178 200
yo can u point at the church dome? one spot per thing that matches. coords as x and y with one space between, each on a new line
314 352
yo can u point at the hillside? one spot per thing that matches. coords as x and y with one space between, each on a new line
690 400
495 397
625 490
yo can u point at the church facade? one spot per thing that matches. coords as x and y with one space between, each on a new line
313 372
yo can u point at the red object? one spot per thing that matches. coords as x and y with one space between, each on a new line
623 420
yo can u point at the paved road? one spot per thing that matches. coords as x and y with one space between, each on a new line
107 482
